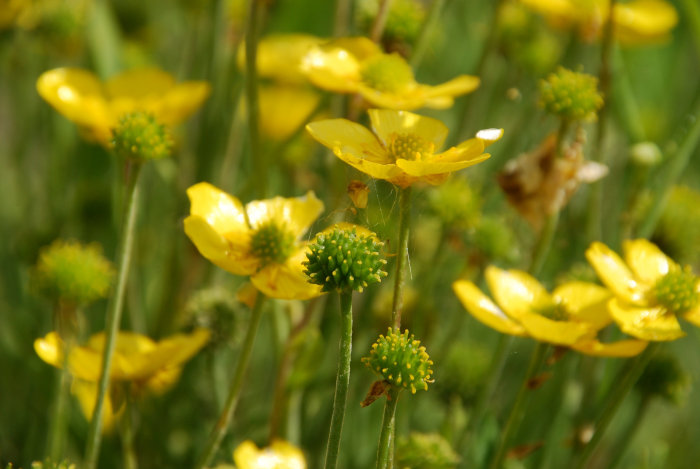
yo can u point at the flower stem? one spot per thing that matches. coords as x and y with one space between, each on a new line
630 431
58 423
114 310
342 381
429 25
677 165
127 430
627 376
380 20
402 255
235 387
516 411
386 437
257 156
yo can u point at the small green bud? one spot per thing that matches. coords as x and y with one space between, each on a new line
388 73
571 95
74 272
425 451
342 260
665 378
677 291
139 136
401 360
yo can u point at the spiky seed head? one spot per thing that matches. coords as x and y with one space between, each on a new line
140 136
342 260
571 95
401 360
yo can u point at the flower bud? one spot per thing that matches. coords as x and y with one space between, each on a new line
571 95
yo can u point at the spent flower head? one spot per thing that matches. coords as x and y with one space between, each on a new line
74 272
401 360
139 136
571 95
344 260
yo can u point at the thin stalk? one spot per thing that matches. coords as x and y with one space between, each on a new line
235 387
677 165
626 379
380 20
402 255
386 437
127 432
341 19
516 411
630 432
114 309
251 90
342 381
431 20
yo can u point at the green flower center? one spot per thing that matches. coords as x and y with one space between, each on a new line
272 244
388 73
409 147
677 291
553 311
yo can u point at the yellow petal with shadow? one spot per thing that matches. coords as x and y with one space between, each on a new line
387 123
646 260
224 213
284 109
295 214
619 349
517 292
485 310
333 69
585 302
693 316
429 167
458 86
614 273
139 83
347 137
181 101
564 333
86 393
286 281
234 258
643 21
652 323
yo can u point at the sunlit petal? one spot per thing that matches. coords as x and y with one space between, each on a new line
347 137
614 273
564 333
429 167
517 292
484 310
224 213
652 323
234 258
646 260
586 302
619 349
458 86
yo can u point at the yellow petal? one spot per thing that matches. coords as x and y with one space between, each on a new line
564 333
279 56
386 122
332 69
411 97
162 380
692 316
347 137
429 167
646 260
286 281
50 349
489 136
181 101
234 258
614 273
653 323
295 213
466 150
224 213
86 393
643 21
484 310
458 86
585 302
517 292
619 349
388 172
284 109
279 455
139 83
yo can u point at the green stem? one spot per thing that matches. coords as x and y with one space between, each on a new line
104 38
342 381
251 89
431 21
630 432
402 255
114 310
692 17
235 387
677 165
380 20
516 411
58 423
341 19
127 430
622 385
386 437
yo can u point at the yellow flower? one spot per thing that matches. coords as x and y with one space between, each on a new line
634 22
570 317
650 289
150 366
402 148
96 107
279 455
284 109
260 239
279 57
357 65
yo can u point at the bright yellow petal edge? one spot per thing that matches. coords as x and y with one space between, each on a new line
279 455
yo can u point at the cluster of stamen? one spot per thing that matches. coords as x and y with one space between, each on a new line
388 73
409 147
271 244
677 291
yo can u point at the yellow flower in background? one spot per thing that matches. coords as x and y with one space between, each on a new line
634 22
651 289
279 455
285 109
570 317
149 365
261 240
357 65
96 106
279 57
402 148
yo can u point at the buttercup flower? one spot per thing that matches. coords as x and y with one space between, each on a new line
260 239
279 455
570 317
148 365
634 22
650 289
357 65
96 107
402 148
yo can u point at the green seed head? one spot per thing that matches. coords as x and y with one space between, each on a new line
74 272
139 136
388 73
401 360
426 451
342 260
272 244
677 291
571 95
